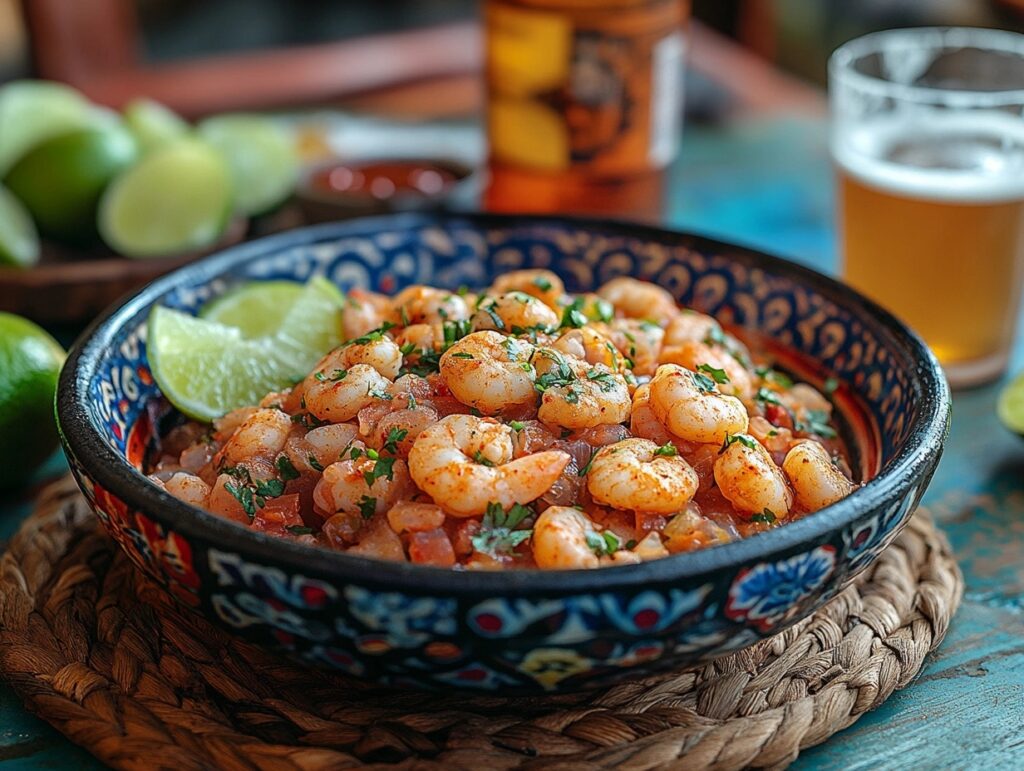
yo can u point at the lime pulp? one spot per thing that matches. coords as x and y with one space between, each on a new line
153 125
207 369
257 309
176 199
260 155
1010 406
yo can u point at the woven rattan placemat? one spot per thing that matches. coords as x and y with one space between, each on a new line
109 660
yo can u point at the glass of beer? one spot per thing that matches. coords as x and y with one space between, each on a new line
928 143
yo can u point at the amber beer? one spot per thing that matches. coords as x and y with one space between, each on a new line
584 104
928 141
932 229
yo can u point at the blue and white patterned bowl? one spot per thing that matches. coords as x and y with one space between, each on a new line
407 624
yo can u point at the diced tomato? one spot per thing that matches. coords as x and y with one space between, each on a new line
778 415
462 538
277 515
431 548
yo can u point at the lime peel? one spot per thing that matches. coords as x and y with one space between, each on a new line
1010 406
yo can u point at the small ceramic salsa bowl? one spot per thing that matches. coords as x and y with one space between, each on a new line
412 625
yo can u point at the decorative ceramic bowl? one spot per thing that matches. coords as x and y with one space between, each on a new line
528 630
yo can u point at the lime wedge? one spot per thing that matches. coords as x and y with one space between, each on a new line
1010 406
176 199
256 309
153 125
206 368
34 110
61 180
261 156
19 241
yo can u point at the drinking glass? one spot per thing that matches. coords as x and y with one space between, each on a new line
928 145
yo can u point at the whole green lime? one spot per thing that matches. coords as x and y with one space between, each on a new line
60 181
30 361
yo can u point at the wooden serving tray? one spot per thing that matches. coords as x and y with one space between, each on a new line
71 286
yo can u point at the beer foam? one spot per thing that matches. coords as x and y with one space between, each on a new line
968 158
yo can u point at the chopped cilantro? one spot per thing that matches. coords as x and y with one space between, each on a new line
495 318
517 425
767 517
482 459
394 438
667 450
244 495
816 423
373 335
605 379
462 355
286 468
766 396
355 453
718 375
769 375
367 507
603 543
299 529
572 316
382 467
731 439
408 349
586 469
498 534
831 384
405 316
542 283
703 382
314 463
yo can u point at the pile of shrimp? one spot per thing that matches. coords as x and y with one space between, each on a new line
519 427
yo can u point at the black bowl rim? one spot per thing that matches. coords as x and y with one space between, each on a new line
111 470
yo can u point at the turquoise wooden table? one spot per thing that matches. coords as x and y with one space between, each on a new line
768 184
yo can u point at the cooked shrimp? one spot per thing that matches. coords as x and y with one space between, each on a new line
362 312
424 304
692 408
514 311
343 487
464 463
422 337
188 488
636 474
260 436
542 284
579 395
694 355
328 442
338 396
643 422
405 423
690 326
379 351
815 479
639 341
749 478
591 346
636 299
490 371
560 539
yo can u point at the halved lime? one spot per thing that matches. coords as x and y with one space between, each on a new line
19 241
262 158
256 309
207 368
176 199
153 125
60 180
1010 406
34 110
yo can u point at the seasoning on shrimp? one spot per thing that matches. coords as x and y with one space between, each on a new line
520 427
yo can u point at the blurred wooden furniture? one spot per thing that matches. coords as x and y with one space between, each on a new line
95 46
431 72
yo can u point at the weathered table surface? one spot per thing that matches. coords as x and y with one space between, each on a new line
768 184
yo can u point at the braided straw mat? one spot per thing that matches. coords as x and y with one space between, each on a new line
109 660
